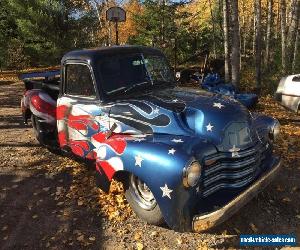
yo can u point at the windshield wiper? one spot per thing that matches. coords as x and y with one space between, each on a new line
116 90
135 86
126 89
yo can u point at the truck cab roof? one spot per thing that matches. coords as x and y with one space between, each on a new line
92 54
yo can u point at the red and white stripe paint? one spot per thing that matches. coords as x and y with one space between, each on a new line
41 105
73 123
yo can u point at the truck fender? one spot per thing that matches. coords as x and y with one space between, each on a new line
153 164
40 104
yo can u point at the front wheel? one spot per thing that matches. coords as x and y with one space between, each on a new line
142 201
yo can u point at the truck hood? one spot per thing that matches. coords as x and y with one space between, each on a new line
187 112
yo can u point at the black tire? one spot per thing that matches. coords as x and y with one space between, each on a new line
36 128
152 215
52 146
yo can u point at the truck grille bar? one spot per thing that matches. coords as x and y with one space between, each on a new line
229 172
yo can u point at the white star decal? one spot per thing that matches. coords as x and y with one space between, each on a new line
155 111
209 127
218 105
177 140
138 160
171 151
166 191
234 151
140 139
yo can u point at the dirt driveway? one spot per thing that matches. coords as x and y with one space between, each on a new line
48 201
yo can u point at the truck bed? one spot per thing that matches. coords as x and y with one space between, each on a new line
47 81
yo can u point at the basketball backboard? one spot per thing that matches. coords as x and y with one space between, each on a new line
116 14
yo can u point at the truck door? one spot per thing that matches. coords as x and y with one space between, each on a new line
78 109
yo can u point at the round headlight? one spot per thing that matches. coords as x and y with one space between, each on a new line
275 131
191 174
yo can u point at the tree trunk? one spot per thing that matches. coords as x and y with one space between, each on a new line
163 22
283 34
220 20
257 17
277 20
295 51
244 36
235 57
269 32
213 29
291 37
254 31
226 39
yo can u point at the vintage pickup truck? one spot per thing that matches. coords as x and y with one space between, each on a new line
186 156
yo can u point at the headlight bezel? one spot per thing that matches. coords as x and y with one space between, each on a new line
192 168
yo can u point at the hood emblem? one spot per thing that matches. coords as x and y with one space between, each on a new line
238 134
234 151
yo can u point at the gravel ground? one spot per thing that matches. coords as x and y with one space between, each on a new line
50 201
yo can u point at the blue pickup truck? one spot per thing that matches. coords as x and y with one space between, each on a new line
186 157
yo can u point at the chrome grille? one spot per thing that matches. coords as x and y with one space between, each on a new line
229 172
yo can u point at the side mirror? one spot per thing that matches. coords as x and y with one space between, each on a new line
112 129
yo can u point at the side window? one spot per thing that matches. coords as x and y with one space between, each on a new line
79 80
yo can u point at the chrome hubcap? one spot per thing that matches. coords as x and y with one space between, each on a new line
142 194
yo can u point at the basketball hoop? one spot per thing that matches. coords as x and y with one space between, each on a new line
116 14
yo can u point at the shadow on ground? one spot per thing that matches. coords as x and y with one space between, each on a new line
35 214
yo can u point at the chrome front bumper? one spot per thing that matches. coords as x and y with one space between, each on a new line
206 221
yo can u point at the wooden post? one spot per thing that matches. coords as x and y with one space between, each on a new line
117 33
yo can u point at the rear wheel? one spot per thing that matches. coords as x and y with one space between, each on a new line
47 139
36 128
142 201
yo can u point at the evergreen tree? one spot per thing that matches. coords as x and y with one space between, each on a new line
7 31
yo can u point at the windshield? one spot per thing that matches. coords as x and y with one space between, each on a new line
129 72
